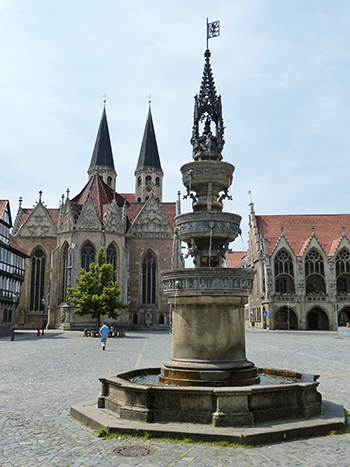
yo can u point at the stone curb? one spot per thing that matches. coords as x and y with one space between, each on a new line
332 419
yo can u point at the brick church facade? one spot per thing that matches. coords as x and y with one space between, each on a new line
135 229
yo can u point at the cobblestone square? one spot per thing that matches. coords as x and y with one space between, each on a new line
42 377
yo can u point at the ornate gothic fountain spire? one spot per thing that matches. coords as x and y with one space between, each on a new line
207 109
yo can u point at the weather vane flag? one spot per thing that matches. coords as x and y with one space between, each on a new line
213 30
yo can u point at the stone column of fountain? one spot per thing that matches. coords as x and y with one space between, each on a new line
208 341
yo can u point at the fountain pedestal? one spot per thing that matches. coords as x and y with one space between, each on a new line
208 342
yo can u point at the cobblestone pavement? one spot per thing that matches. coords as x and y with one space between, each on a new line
42 377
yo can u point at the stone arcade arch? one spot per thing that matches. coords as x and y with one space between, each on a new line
344 316
281 319
317 320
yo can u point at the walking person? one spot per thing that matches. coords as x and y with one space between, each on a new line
104 332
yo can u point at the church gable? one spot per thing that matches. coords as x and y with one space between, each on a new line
113 222
38 224
66 222
88 219
151 222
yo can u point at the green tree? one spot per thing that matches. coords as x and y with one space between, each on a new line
96 292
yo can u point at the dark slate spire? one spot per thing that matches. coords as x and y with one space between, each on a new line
149 155
102 157
207 109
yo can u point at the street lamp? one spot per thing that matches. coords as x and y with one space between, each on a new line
43 301
14 301
288 304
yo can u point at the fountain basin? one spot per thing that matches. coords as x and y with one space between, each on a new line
218 406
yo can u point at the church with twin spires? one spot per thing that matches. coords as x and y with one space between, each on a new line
135 229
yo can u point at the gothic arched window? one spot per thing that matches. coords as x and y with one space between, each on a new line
109 181
148 180
283 263
112 257
284 272
64 272
342 265
37 280
87 255
314 263
149 271
139 181
157 181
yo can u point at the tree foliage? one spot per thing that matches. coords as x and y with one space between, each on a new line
96 292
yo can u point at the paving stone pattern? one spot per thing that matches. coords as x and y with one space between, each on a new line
42 377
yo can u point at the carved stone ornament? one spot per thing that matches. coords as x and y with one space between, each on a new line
113 222
38 224
151 222
88 219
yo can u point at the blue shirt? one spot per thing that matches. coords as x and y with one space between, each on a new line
104 331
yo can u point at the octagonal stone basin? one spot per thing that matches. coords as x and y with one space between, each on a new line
227 406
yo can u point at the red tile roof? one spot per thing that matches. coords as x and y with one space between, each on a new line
101 195
13 244
130 197
236 259
297 230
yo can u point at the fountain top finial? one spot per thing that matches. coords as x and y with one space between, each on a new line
207 110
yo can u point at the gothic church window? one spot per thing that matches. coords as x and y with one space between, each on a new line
87 255
64 272
149 279
148 180
37 282
139 181
112 257
109 181
157 181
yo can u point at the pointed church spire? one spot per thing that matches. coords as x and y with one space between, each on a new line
102 157
148 173
207 109
149 155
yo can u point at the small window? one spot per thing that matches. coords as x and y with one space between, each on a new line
148 180
109 181
157 181
139 181
139 200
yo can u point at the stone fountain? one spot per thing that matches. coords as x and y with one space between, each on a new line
208 380
208 347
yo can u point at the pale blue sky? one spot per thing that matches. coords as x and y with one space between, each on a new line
281 67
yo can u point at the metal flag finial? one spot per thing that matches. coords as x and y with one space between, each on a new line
104 96
149 97
213 30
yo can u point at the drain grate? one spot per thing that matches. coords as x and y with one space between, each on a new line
133 451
